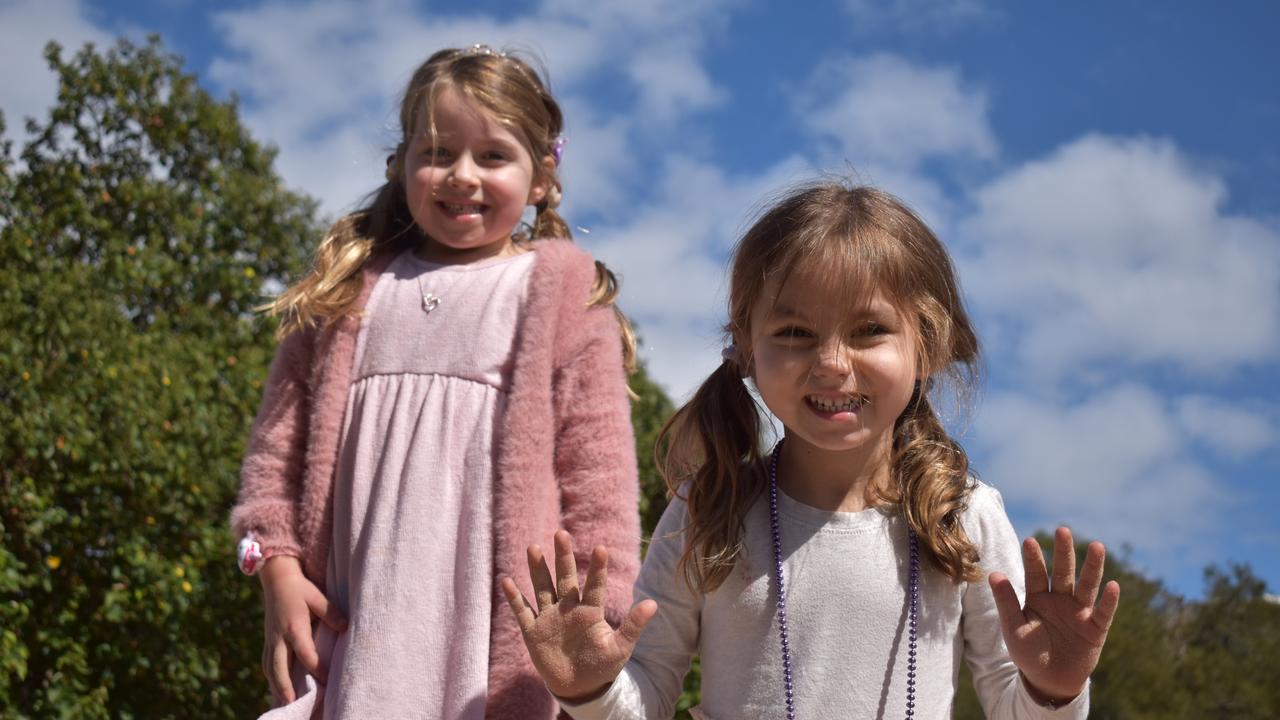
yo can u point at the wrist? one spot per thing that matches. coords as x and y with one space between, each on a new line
584 697
1047 698
277 567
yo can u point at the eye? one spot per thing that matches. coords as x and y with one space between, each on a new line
435 154
793 332
873 329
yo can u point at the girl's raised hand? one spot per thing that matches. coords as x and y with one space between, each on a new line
573 647
1056 638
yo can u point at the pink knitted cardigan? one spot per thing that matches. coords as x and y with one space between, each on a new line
566 453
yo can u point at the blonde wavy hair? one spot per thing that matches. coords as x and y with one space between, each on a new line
504 85
710 453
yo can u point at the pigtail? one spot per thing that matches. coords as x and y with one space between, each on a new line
710 451
931 483
332 285
547 223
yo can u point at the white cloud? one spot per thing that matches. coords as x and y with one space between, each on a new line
1228 429
1118 250
884 109
673 257
1114 465
596 167
27 87
311 72
672 82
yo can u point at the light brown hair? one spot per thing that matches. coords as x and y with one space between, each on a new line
862 239
501 84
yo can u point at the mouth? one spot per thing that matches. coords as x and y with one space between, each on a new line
459 210
829 406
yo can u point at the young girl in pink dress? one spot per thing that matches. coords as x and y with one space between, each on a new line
449 388
849 571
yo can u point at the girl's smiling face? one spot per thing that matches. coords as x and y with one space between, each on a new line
468 183
837 379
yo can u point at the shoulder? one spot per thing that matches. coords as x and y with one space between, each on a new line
561 257
563 283
984 499
563 275
984 517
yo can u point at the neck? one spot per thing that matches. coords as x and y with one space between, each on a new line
833 480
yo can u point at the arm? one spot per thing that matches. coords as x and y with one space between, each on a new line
595 461
1004 689
271 482
271 474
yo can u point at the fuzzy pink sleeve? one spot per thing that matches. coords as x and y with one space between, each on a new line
595 457
271 475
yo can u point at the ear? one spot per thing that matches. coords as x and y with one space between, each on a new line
544 175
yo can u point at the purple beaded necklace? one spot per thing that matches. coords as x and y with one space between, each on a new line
913 598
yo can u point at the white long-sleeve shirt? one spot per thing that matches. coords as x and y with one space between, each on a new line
846 582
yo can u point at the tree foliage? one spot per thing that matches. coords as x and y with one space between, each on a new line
138 231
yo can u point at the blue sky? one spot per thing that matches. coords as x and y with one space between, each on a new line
1107 176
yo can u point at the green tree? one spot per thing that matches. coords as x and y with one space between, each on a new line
649 412
1232 648
137 235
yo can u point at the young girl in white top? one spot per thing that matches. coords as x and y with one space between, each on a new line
841 574
450 388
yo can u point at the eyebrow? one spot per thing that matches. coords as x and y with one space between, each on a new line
875 311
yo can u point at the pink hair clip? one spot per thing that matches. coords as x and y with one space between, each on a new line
557 147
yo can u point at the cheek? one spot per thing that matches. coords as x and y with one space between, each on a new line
772 365
895 366
419 187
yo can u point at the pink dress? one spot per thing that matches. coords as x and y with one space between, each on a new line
411 563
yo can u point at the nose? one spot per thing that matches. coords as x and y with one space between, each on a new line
834 358
463 172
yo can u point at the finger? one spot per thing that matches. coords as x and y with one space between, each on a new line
640 615
566 567
525 618
1064 562
327 611
596 590
1106 610
1007 605
279 675
269 675
1033 567
1091 574
544 590
304 648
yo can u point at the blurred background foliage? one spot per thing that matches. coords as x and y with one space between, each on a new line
140 224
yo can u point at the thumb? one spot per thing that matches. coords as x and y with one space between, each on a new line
1007 605
640 615
324 609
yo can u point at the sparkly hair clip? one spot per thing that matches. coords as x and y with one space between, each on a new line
557 148
482 49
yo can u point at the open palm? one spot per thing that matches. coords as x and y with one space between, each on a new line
1056 637
572 646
